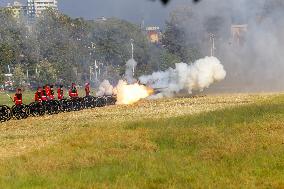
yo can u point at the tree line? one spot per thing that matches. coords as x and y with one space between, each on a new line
57 48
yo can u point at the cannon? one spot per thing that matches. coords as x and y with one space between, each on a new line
89 102
5 113
36 109
100 101
65 105
54 107
77 104
111 100
51 107
20 111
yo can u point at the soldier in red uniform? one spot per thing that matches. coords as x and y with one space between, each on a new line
47 91
43 94
87 89
38 95
51 96
73 92
60 92
18 98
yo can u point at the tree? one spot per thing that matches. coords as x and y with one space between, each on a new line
178 39
12 38
19 76
46 73
168 60
112 38
2 77
64 43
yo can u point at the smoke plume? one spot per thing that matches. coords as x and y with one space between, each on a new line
249 40
186 77
130 67
105 89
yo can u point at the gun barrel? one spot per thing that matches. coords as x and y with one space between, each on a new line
10 97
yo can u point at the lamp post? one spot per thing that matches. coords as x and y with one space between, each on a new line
92 50
96 68
132 48
212 39
9 69
91 72
132 55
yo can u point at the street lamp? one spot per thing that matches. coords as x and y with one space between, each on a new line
91 72
212 39
132 55
132 48
92 48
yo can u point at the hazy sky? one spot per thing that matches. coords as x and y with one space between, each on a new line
153 12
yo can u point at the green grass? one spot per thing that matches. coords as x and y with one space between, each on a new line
28 97
235 147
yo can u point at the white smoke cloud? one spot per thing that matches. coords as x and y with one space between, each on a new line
130 66
190 77
255 62
105 88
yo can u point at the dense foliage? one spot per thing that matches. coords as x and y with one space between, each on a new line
57 48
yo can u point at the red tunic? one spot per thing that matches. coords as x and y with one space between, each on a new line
38 96
73 93
87 90
51 96
43 95
18 99
47 91
60 94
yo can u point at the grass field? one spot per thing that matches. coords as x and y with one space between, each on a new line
226 141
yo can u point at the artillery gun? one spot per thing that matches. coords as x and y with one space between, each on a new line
5 113
54 107
20 111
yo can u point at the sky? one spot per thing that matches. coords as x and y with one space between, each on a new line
153 12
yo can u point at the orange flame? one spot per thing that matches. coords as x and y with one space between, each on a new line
129 94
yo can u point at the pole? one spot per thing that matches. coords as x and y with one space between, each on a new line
212 39
10 97
96 67
132 50
90 73
99 69
213 46
132 55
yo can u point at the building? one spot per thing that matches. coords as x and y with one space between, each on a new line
17 9
36 7
33 8
154 34
101 18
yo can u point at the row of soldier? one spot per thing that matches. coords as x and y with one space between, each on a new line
46 93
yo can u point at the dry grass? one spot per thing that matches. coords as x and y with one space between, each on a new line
19 137
226 141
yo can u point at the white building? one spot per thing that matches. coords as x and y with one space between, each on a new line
36 7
